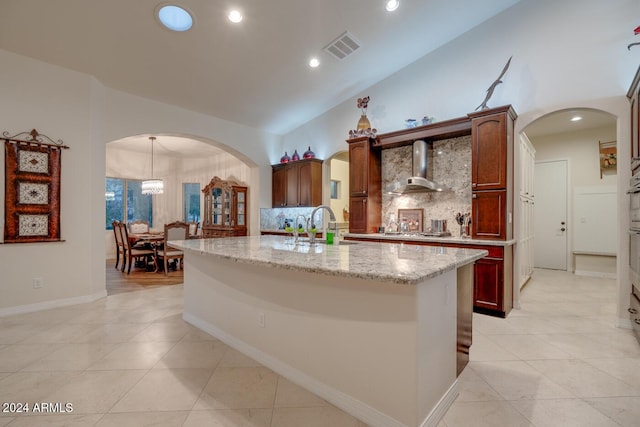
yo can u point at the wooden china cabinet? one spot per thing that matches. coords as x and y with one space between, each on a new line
225 209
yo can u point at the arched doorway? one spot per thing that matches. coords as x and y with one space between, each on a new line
185 164
575 201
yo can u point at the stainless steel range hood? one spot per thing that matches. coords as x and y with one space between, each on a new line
420 181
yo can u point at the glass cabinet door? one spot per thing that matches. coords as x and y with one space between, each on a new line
241 207
217 206
227 207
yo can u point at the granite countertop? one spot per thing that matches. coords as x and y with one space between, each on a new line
395 263
419 238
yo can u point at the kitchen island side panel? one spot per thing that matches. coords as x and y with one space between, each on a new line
356 343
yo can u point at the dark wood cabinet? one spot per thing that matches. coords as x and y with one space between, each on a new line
492 173
297 184
226 205
492 275
489 152
489 274
365 181
279 187
488 210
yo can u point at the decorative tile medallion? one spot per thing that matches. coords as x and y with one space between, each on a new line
33 161
33 225
30 193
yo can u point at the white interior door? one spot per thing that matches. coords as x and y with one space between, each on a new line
550 217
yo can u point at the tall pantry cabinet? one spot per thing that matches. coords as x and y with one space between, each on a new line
365 186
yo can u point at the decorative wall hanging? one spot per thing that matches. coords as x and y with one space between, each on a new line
608 157
32 187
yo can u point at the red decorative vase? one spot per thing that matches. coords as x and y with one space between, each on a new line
295 156
308 154
285 158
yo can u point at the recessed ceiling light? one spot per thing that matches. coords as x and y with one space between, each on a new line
392 5
175 18
314 62
576 118
235 16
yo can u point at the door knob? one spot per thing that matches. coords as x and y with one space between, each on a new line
563 229
562 223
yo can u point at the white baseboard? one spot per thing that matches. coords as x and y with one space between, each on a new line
47 305
595 274
352 406
624 323
437 413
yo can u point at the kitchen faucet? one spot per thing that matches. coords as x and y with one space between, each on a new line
295 226
312 235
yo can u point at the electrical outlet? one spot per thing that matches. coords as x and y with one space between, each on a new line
38 282
261 319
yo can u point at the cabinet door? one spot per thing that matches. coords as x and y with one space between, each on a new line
292 186
358 215
309 184
488 287
489 214
489 152
279 187
358 168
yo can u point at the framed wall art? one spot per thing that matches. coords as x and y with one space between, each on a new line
32 187
413 217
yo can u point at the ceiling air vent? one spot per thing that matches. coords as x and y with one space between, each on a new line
343 46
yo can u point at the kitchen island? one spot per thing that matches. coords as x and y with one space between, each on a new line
369 327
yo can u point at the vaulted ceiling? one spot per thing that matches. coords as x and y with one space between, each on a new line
254 73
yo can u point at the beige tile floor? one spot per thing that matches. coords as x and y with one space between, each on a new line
130 360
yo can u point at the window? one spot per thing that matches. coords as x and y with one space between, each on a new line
135 204
191 202
335 189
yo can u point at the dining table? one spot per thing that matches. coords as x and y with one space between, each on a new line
151 239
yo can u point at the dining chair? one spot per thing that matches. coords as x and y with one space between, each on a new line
120 245
135 253
177 230
139 226
193 229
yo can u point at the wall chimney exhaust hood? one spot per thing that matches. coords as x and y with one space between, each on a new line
419 182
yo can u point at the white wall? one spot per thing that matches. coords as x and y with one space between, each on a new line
85 114
581 148
57 103
562 51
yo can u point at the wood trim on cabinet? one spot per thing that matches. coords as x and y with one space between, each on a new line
432 132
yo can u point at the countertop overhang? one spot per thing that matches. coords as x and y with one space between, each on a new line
395 263
430 239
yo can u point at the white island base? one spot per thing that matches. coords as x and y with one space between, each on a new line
382 351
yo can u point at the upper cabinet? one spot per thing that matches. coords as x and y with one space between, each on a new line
297 184
489 152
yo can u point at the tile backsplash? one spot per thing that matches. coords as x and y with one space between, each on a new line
273 218
450 164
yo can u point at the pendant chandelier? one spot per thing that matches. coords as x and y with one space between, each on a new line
152 186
